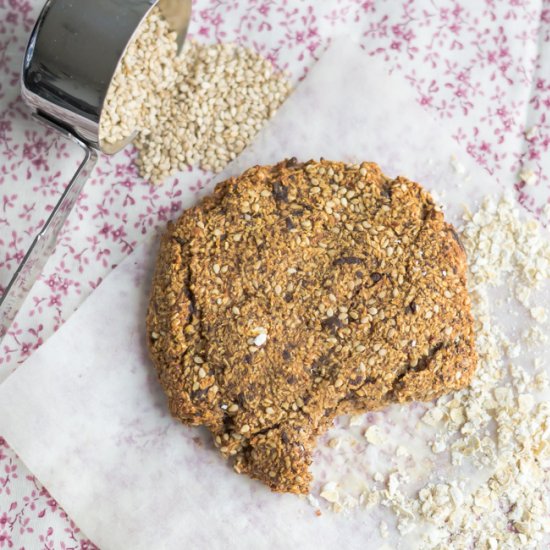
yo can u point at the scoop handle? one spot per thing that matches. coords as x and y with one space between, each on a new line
44 243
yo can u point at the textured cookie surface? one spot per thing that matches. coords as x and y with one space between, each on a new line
298 292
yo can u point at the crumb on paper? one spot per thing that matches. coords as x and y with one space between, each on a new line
526 402
373 435
378 477
312 501
438 445
523 294
539 313
528 176
541 381
330 492
532 132
356 420
402 451
456 165
432 416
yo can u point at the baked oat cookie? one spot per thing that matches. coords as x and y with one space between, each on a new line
298 292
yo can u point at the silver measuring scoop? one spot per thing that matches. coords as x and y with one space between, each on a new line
70 60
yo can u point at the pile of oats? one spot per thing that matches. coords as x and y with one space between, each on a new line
201 107
489 470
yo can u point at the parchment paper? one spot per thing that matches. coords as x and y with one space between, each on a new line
87 416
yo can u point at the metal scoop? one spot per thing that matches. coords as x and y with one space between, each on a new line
71 58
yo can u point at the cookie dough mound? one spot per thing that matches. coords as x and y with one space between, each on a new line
299 292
